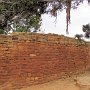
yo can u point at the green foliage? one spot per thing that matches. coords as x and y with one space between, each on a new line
31 10
23 9
1 8
35 22
31 1
1 31
86 30
21 29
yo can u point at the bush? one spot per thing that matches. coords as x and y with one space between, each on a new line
21 29
1 31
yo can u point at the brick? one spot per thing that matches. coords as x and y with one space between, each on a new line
34 58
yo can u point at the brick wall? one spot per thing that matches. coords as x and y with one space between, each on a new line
27 59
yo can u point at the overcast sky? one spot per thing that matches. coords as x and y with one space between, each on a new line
79 17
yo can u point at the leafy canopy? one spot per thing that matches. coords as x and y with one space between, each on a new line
27 13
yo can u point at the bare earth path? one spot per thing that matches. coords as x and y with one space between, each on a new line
81 82
54 85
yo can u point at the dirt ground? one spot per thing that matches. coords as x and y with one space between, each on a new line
80 82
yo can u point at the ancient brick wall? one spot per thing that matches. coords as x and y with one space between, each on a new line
27 59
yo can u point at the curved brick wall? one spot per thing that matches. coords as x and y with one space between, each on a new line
27 59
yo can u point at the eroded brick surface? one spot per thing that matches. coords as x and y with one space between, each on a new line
27 59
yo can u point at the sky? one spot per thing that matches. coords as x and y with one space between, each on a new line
57 25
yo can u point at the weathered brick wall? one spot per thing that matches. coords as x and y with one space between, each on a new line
27 59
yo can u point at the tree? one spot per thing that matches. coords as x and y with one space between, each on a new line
21 14
27 13
65 4
86 30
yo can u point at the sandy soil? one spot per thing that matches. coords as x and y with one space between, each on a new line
80 82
